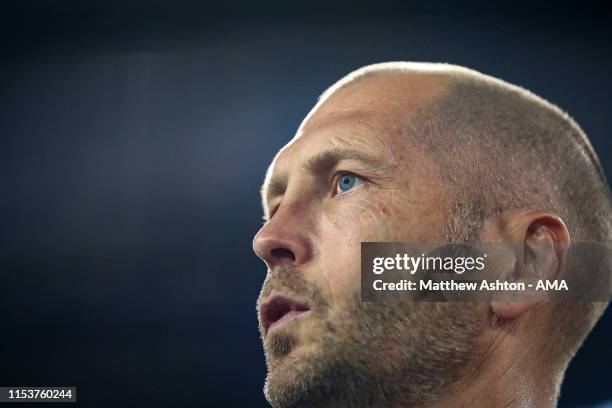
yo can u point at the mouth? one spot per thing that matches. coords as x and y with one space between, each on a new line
280 310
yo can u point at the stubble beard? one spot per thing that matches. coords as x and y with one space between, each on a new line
371 354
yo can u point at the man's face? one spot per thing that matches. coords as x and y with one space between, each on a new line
350 175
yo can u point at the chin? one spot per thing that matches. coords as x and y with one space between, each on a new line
289 375
280 387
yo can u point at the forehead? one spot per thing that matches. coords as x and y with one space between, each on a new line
395 93
371 114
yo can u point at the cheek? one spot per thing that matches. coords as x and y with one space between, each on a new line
355 220
341 233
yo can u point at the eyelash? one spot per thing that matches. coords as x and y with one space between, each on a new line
336 178
334 182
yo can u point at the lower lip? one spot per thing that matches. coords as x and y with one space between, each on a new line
292 315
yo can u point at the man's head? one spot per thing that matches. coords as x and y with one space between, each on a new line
408 152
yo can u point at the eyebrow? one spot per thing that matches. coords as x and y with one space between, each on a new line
324 161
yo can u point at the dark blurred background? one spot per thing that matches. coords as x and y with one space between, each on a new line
134 139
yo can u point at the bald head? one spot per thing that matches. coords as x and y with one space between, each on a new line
394 94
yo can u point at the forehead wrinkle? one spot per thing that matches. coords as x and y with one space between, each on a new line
373 119
351 130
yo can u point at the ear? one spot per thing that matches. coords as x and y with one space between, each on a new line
539 241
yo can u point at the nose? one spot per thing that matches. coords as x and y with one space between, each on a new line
282 241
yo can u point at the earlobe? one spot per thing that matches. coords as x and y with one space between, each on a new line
511 310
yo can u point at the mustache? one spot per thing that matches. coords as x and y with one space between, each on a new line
290 281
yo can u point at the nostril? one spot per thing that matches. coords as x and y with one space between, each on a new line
282 253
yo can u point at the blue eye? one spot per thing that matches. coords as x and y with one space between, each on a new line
347 181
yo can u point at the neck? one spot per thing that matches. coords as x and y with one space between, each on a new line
504 388
510 375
